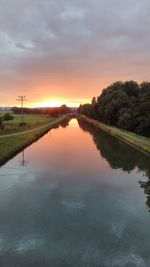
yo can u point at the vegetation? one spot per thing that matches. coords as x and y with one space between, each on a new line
53 112
5 117
1 123
123 104
31 121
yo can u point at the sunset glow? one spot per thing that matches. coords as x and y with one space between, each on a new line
54 102
58 54
51 103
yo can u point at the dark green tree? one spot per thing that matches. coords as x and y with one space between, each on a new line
122 104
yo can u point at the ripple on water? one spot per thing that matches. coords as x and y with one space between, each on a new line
29 243
71 204
130 260
118 229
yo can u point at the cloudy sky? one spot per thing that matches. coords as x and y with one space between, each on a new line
68 50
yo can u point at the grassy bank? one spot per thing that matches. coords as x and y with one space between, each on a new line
31 120
10 146
138 141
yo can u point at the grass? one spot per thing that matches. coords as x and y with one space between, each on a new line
138 141
31 120
10 146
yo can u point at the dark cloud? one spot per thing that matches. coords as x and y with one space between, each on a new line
80 44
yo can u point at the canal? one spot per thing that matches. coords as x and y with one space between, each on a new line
76 198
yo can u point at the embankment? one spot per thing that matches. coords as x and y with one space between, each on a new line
138 141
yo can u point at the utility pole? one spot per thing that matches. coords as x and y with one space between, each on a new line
22 99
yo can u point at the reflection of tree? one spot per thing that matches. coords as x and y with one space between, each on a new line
64 123
146 187
119 155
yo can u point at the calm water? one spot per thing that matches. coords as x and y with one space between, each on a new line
74 199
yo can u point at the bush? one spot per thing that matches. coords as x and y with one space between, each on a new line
22 124
8 117
1 123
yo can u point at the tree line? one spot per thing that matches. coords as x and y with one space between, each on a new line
122 104
52 111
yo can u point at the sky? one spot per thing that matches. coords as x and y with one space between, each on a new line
67 51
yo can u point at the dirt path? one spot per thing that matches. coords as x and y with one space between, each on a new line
32 130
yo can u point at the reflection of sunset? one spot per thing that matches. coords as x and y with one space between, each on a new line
73 123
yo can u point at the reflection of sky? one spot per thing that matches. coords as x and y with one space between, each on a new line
68 206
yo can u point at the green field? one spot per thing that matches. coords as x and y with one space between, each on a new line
31 121
139 141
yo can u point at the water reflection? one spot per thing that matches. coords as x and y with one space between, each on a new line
23 162
146 187
71 208
64 123
120 155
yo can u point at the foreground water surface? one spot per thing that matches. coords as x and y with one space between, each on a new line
76 198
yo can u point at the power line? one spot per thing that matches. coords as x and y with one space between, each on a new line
22 99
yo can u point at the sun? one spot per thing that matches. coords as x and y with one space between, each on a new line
57 102
51 103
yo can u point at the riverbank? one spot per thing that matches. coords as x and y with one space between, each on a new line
11 144
138 141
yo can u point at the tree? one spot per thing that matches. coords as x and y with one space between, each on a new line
131 88
122 104
110 102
